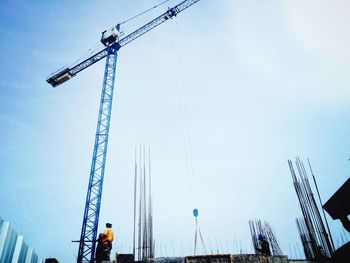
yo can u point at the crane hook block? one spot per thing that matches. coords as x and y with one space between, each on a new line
110 36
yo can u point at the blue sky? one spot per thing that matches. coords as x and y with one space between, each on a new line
245 85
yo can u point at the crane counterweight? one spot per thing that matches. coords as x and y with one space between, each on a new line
60 77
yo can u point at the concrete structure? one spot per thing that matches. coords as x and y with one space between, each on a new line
242 258
338 207
13 248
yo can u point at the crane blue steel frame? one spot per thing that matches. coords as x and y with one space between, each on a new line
88 236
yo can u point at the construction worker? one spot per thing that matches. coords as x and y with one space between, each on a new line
265 247
102 250
108 237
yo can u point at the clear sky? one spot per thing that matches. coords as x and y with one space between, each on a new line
231 88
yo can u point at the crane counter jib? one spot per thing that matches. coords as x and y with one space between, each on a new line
110 38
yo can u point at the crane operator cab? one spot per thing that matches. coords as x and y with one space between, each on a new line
110 36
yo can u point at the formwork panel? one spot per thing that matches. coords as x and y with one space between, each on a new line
252 258
242 258
221 258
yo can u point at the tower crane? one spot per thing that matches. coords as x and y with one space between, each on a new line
112 41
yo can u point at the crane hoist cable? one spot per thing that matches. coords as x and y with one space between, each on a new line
144 12
182 99
198 231
93 50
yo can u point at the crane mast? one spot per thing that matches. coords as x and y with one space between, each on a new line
93 198
88 235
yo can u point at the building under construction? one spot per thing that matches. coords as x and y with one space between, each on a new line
314 233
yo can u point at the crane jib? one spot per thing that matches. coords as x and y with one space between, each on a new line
69 72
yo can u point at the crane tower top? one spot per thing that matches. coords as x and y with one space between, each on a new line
110 36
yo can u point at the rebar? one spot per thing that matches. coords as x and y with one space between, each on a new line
312 231
145 240
258 227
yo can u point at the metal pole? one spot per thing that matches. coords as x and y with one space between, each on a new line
319 198
135 189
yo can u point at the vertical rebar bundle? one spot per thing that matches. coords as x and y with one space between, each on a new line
313 234
257 227
306 239
143 213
